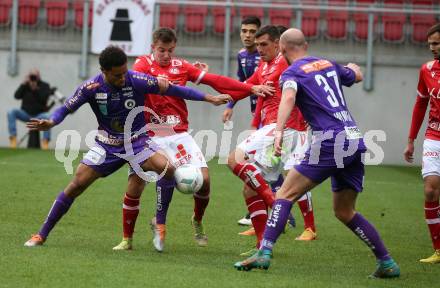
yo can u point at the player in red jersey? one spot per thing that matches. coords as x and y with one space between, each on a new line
252 161
428 91
170 122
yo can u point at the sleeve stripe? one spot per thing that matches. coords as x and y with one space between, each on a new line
201 75
421 95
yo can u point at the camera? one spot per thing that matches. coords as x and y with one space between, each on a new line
33 77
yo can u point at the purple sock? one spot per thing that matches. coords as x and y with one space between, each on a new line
59 207
276 223
277 184
164 190
367 233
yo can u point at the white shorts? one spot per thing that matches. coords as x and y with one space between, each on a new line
301 147
258 147
431 158
181 149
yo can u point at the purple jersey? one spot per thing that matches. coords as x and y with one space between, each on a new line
247 64
111 105
319 97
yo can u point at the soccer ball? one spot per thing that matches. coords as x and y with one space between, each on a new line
189 179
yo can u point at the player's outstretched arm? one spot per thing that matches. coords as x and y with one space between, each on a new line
195 95
40 124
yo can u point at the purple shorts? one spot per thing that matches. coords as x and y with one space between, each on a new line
349 175
103 159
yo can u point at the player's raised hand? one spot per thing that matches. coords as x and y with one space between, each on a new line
408 154
263 90
39 124
202 66
219 99
227 115
278 144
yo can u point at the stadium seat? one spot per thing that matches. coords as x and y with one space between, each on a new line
420 23
28 12
337 21
168 15
5 7
252 11
218 14
56 13
78 7
310 21
361 21
393 23
281 16
195 18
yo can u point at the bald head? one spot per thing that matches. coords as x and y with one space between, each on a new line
293 37
293 44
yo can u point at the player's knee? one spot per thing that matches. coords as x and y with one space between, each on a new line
344 215
169 173
431 192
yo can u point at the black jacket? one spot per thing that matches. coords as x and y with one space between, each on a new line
34 102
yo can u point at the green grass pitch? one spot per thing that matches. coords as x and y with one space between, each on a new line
79 252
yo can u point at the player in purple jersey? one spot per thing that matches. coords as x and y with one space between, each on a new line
315 86
112 95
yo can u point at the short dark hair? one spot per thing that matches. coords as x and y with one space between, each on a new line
434 29
112 56
281 29
251 20
164 35
271 30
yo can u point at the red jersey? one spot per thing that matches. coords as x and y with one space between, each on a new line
171 110
428 91
269 73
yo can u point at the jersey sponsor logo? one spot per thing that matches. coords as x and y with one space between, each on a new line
115 97
127 94
433 94
316 66
129 104
174 71
128 88
101 96
434 125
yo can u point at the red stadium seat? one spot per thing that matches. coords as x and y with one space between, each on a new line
281 16
28 12
168 15
420 23
310 21
393 23
5 7
56 13
337 21
361 21
252 11
78 7
195 17
218 13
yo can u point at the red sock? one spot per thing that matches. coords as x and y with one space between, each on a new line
130 211
432 216
258 212
252 177
200 204
306 207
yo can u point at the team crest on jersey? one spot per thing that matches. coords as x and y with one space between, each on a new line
430 64
176 62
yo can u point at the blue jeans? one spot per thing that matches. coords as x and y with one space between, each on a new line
22 115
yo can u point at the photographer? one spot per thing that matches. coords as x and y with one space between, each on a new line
34 94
